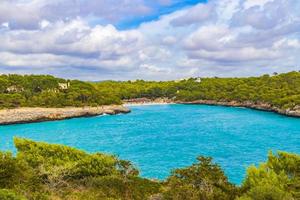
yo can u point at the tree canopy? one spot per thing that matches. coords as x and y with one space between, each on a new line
280 90
49 171
48 91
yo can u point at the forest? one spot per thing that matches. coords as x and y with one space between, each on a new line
48 91
280 90
49 171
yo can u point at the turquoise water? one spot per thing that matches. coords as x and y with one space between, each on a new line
163 137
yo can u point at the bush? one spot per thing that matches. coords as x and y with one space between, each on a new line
9 195
278 178
267 192
11 171
117 187
203 180
64 162
42 171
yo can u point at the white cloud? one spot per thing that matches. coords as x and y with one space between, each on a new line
197 14
5 24
252 3
27 14
220 38
74 37
154 69
169 40
211 37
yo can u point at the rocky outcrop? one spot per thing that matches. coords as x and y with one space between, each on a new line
295 112
27 115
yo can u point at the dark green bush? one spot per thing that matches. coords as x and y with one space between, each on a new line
9 195
278 178
64 162
203 180
42 171
11 171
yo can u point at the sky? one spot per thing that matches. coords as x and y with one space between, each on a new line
149 39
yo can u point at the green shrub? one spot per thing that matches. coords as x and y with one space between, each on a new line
203 180
11 171
267 192
42 171
9 195
117 187
59 162
278 178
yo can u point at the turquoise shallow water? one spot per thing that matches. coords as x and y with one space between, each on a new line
163 137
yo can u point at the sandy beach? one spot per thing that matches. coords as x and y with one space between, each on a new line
147 104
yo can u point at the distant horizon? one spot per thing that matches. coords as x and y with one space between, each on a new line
150 40
124 80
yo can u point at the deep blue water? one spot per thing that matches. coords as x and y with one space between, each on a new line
163 137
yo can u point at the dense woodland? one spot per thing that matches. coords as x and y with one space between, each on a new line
44 171
48 91
282 91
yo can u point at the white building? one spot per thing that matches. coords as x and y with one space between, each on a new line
64 86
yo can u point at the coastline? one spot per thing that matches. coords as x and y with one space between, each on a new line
147 102
247 104
38 114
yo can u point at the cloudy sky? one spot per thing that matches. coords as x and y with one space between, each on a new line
149 39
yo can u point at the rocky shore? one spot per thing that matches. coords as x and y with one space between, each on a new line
295 112
27 115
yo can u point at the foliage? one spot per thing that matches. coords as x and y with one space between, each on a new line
203 180
64 162
278 178
9 195
48 91
119 188
10 170
42 171
280 90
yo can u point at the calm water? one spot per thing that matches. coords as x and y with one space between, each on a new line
160 138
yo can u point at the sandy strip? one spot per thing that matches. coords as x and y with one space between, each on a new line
146 104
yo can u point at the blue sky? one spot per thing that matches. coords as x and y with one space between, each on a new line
149 39
158 10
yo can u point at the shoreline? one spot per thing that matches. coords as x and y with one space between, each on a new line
38 114
147 104
247 104
146 101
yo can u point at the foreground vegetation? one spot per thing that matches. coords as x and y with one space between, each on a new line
44 171
282 91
